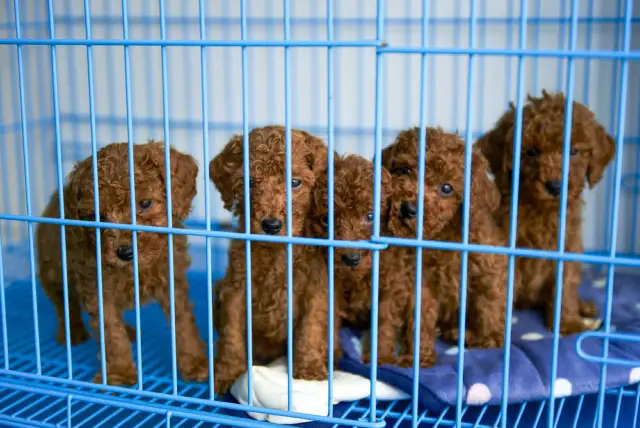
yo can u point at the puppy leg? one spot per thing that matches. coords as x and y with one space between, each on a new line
428 331
52 284
311 341
487 307
570 320
191 355
121 370
231 348
389 314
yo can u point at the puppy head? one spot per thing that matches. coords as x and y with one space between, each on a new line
114 198
443 183
541 155
353 210
267 171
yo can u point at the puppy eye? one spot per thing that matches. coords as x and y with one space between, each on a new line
370 216
252 183
531 152
403 170
573 151
325 221
145 204
446 189
295 183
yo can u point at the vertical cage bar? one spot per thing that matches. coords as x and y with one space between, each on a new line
111 96
27 183
207 189
422 143
377 180
132 187
563 208
96 194
468 138
456 67
247 205
612 117
271 70
587 61
536 45
622 108
167 166
287 137
60 183
509 42
330 231
513 218
3 307
561 36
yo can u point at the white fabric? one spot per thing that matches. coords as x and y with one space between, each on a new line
270 391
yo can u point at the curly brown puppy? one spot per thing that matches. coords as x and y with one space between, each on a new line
269 260
443 211
539 197
353 220
117 253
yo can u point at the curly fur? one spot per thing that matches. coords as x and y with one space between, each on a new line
443 222
538 210
269 260
117 275
353 207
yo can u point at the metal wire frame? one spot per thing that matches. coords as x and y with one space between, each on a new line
377 242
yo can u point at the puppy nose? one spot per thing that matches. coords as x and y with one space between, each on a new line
351 259
271 225
407 210
553 187
125 253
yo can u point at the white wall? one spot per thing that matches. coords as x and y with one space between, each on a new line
354 71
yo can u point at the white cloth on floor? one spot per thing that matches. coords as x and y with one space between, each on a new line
308 396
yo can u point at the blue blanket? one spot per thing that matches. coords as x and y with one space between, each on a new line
530 362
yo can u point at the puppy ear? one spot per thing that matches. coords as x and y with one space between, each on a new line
492 145
386 157
71 191
603 151
184 171
484 193
223 167
317 152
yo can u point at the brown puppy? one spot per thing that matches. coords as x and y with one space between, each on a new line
443 211
539 197
117 253
353 220
269 260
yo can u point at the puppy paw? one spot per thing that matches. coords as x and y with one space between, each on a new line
310 370
572 326
131 333
118 377
488 341
452 335
425 360
383 360
78 335
224 376
588 309
194 369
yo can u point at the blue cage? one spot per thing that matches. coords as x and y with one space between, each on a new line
75 76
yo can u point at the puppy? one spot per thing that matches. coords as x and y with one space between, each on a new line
269 260
117 253
353 220
443 211
539 197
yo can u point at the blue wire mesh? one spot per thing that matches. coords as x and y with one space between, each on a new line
76 76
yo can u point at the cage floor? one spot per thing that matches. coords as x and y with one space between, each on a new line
30 400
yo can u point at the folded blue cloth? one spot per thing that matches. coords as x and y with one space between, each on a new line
530 362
